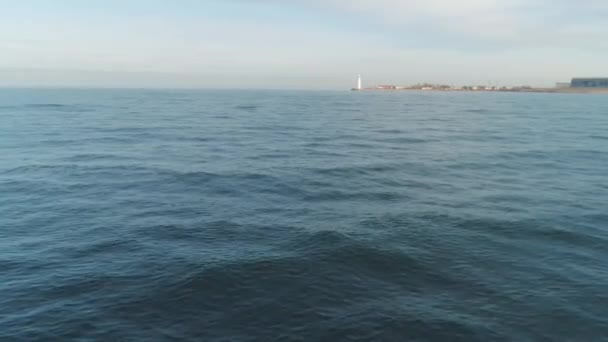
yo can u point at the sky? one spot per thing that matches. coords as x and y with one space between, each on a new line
299 44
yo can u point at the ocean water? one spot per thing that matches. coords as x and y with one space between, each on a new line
158 215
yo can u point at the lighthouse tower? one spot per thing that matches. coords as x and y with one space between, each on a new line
359 84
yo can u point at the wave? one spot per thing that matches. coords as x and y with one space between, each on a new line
88 157
329 277
247 107
45 105
339 195
67 108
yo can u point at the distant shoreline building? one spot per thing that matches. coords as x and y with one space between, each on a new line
386 87
591 82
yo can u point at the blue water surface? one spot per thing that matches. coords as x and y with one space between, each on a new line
162 215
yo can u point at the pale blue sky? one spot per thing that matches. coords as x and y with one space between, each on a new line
319 44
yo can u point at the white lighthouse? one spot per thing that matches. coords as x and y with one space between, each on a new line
359 84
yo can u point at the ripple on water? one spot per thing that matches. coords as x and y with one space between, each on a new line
262 216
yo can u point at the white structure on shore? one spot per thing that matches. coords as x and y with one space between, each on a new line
359 83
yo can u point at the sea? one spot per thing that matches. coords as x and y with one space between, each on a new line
258 215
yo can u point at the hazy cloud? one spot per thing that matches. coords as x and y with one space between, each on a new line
510 23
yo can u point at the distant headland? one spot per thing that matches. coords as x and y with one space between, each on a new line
577 85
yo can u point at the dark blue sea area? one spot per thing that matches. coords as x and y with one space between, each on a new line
178 215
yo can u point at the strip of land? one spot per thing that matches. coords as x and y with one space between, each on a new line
509 90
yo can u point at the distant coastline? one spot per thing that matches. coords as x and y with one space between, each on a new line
595 85
510 90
